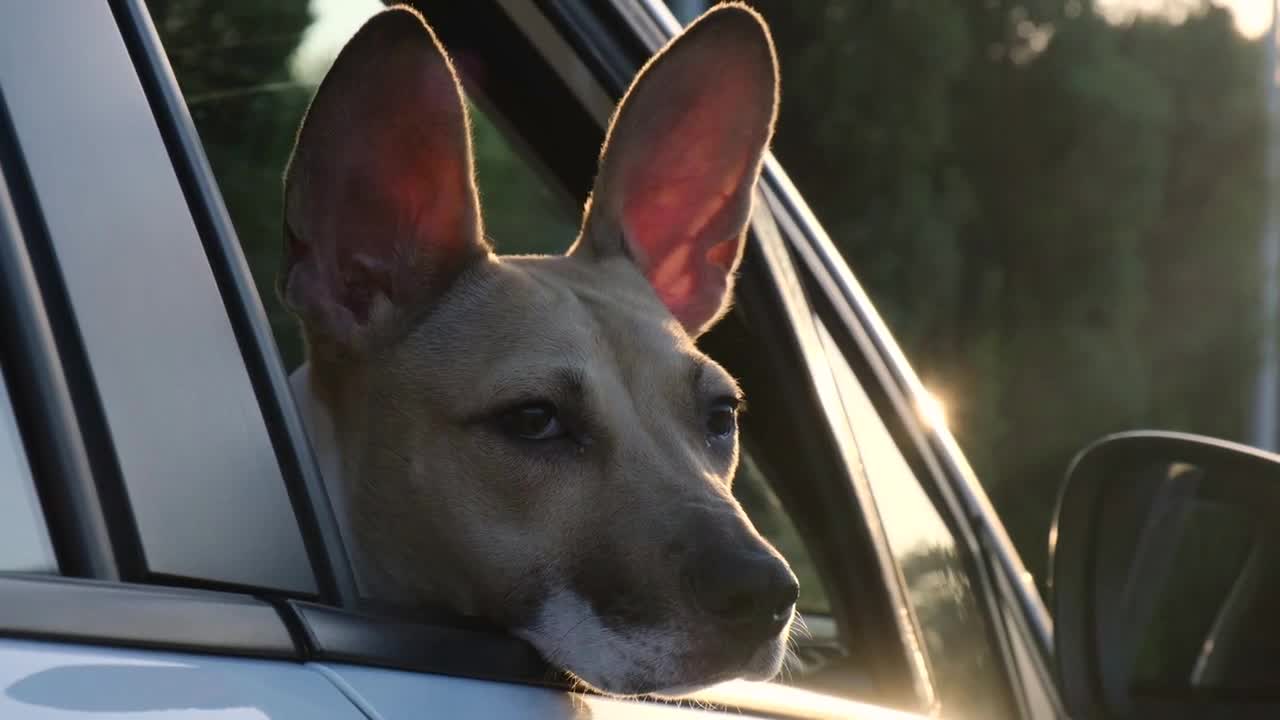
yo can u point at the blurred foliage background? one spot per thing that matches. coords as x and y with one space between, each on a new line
1058 216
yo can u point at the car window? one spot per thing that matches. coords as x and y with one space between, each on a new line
1060 208
24 539
968 670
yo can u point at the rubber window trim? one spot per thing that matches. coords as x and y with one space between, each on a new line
441 645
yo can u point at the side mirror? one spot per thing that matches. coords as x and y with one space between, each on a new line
1165 579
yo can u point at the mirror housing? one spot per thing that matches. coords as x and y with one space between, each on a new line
1165 579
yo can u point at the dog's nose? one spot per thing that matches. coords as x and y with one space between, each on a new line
752 590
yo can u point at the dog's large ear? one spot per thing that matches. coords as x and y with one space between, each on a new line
381 212
681 159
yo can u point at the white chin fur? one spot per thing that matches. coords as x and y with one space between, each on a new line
571 636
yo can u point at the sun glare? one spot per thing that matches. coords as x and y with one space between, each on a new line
932 410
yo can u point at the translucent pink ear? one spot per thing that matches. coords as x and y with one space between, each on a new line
380 207
681 161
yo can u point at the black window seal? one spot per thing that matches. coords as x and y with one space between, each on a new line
71 610
55 397
315 515
439 643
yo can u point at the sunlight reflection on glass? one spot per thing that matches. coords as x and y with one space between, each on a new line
932 410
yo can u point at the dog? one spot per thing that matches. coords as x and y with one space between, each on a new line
536 440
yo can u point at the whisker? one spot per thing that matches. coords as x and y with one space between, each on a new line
799 625
790 664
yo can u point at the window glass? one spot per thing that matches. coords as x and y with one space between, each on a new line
24 539
248 70
1061 207
968 671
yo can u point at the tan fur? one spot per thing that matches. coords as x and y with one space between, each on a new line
443 512
502 330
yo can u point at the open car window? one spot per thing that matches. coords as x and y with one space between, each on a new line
247 72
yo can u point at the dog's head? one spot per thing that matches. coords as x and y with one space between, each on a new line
537 439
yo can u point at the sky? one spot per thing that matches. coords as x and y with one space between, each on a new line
335 21
1253 17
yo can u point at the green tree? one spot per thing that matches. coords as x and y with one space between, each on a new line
1057 216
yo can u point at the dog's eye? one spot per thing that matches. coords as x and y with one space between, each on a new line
722 422
535 421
